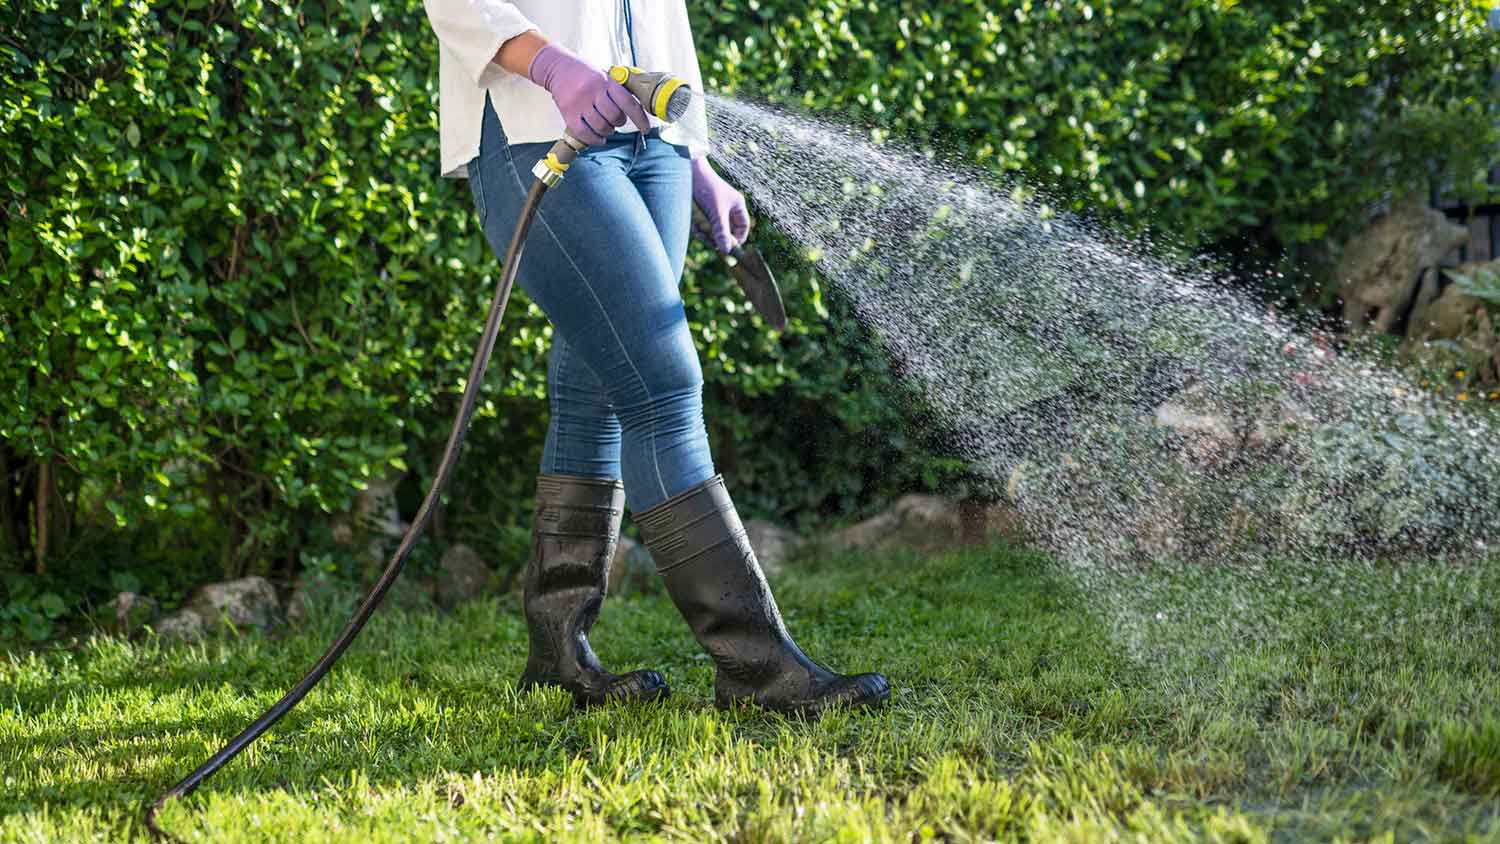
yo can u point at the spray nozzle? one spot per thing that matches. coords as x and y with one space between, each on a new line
664 95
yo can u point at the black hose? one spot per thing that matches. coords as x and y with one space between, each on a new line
393 569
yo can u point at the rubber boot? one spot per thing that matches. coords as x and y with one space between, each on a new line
711 572
573 538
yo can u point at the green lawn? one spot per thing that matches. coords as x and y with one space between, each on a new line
1017 716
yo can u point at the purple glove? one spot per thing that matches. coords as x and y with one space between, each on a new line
592 104
724 206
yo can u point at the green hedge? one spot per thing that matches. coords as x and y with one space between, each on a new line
235 289
1276 122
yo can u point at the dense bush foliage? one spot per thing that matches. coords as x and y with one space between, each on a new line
235 290
1271 124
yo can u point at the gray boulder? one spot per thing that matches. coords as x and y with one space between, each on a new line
247 603
773 544
299 605
1211 434
464 575
374 517
632 568
1382 268
411 591
129 612
319 594
1456 314
987 521
923 522
183 624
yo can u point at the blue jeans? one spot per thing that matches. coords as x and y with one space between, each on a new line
603 261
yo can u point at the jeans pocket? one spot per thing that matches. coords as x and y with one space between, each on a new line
476 187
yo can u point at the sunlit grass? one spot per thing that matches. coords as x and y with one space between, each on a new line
1015 717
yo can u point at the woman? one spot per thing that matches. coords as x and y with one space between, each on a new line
604 259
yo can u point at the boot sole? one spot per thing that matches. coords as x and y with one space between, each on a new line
585 701
809 711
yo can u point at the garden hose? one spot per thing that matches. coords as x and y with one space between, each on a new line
665 96
398 560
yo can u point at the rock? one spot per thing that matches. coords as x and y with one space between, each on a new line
984 521
183 624
249 602
773 544
1462 320
1454 312
463 575
129 612
632 568
411 591
319 594
1382 268
924 522
374 515
298 607
1209 435
1206 429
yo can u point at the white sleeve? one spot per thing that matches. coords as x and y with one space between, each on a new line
473 30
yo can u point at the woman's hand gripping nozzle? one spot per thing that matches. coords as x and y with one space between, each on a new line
661 95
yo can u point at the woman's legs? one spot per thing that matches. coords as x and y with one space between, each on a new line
598 264
603 262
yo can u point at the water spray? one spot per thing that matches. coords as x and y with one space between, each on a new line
1141 416
663 95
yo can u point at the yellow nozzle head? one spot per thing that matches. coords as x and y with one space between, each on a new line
672 99
663 95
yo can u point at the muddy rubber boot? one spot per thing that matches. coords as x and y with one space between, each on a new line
710 571
573 538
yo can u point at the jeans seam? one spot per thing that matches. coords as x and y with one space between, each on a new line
624 352
477 183
560 457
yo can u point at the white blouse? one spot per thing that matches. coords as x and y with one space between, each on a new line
470 32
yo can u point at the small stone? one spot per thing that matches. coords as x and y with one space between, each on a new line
297 605
183 624
464 576
314 595
924 522
129 612
247 603
632 568
773 543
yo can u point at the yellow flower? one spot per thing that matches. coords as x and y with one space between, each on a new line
1494 395
1459 375
1463 396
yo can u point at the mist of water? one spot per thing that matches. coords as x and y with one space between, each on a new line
1138 413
